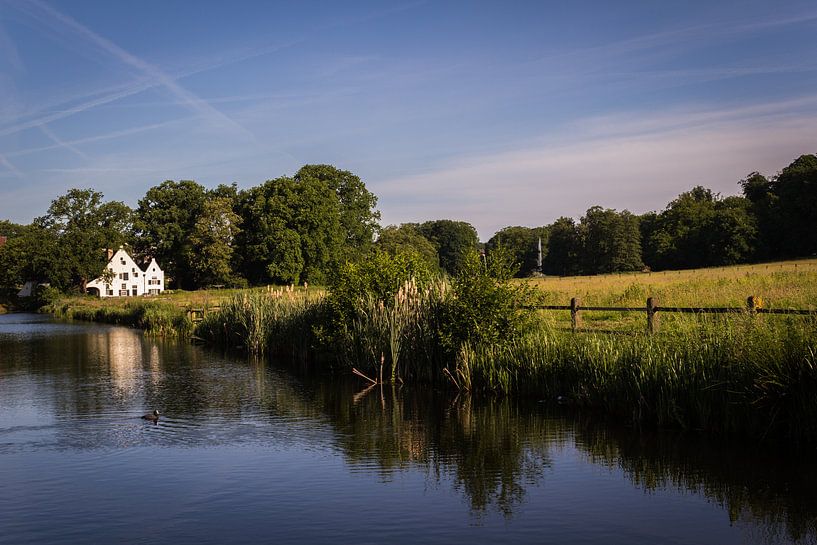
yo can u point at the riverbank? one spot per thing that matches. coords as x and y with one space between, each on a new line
744 374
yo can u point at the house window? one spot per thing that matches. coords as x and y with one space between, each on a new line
136 275
109 292
124 276
124 287
122 260
123 292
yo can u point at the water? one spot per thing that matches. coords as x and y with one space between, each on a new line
248 452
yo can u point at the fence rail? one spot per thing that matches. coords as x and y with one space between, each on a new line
652 309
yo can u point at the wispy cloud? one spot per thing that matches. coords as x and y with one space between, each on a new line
61 143
39 10
641 167
10 167
9 50
101 137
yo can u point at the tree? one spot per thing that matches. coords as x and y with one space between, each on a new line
295 233
165 219
611 241
700 229
83 226
211 242
358 216
28 254
523 244
453 239
796 208
564 246
763 206
407 239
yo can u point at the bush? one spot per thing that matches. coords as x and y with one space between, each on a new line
486 307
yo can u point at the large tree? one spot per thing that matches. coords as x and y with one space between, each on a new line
786 208
83 227
165 219
358 216
29 254
523 245
293 231
406 239
700 229
453 240
211 242
564 248
611 241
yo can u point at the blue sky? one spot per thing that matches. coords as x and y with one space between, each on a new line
497 113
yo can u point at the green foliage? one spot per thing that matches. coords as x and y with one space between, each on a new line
453 239
786 209
296 232
700 229
407 239
486 307
523 243
79 226
379 275
211 242
157 318
358 216
165 219
564 248
611 241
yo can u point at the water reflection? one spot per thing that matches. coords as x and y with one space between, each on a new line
83 388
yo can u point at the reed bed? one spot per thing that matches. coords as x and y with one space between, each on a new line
274 322
737 374
156 318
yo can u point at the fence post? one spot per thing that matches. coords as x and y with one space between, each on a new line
751 305
652 318
575 319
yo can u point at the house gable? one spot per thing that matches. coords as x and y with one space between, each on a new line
128 279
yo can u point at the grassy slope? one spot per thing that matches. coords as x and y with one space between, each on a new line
787 284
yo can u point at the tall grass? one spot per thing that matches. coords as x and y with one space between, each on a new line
265 322
736 374
155 317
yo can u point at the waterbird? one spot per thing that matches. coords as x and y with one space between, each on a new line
153 417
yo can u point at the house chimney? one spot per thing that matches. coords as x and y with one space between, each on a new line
2 241
109 253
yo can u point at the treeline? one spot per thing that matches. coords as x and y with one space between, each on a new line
774 218
290 229
301 228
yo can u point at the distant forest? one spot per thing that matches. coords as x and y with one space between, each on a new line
298 229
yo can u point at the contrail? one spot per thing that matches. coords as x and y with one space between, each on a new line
155 74
61 143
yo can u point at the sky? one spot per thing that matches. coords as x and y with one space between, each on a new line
496 113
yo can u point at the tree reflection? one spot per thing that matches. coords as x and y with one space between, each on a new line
491 451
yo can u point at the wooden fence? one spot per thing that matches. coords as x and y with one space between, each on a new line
652 310
196 315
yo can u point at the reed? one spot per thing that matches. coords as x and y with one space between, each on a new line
156 318
275 322
735 374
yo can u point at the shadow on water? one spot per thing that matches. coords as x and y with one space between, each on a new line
84 387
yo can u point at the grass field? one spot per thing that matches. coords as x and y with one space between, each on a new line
787 284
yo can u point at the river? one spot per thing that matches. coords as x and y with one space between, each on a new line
246 451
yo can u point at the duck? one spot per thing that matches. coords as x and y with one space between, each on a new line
153 417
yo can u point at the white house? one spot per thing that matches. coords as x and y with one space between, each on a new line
128 279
